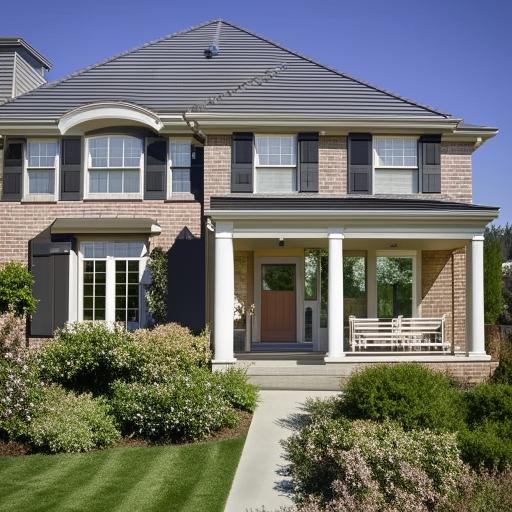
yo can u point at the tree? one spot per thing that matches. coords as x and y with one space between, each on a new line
156 293
16 290
493 280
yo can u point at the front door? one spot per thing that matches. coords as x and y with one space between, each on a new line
278 302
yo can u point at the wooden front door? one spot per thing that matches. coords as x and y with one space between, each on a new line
278 302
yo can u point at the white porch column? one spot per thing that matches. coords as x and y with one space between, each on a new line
475 333
224 294
335 297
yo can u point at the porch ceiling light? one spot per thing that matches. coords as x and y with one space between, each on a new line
281 242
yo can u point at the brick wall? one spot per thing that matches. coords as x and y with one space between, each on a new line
217 167
332 164
456 177
443 282
22 222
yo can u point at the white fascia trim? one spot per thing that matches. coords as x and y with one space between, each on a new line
400 215
109 110
276 119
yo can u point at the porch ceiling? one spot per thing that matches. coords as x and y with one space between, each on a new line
350 244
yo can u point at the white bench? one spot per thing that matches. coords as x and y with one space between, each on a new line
397 333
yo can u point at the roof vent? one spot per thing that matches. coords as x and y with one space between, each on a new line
211 51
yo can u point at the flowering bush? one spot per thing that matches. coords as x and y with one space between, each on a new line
18 376
64 422
411 394
87 357
160 351
189 406
236 390
363 465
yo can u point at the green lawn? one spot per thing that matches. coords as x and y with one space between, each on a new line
194 477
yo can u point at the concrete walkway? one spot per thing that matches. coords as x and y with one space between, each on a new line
258 480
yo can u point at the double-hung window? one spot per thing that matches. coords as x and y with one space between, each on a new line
276 163
396 165
42 158
180 157
111 281
114 164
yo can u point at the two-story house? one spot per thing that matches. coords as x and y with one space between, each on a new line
338 214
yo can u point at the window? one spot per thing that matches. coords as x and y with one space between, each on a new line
111 275
276 164
181 161
41 165
114 165
395 286
396 165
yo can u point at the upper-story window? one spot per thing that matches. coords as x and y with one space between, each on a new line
396 165
180 156
41 164
275 163
114 165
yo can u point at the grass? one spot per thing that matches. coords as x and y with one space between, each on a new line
188 477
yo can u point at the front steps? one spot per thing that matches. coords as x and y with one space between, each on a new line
309 371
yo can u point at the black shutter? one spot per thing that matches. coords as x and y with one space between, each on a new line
50 270
308 162
360 166
241 162
13 170
70 169
429 158
155 180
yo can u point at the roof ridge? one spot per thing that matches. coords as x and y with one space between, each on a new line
258 79
334 70
54 83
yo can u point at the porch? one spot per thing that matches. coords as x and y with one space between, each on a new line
313 294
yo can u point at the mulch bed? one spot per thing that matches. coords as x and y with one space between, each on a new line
13 448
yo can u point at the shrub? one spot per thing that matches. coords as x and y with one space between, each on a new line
12 333
487 444
363 465
484 492
236 390
18 380
189 406
16 290
411 394
489 402
87 357
493 280
156 293
160 351
64 422
503 373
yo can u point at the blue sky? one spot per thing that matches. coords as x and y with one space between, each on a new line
455 55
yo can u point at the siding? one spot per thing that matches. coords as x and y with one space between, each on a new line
26 78
6 73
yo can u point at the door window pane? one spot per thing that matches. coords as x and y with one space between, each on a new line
311 261
127 293
94 290
394 286
279 277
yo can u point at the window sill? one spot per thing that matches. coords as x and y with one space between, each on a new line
180 197
113 197
40 198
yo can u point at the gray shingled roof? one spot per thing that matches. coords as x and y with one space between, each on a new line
250 75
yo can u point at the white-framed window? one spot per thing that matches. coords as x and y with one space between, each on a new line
275 163
180 161
41 164
395 165
114 165
110 281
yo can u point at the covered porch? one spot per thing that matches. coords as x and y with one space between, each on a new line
334 288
